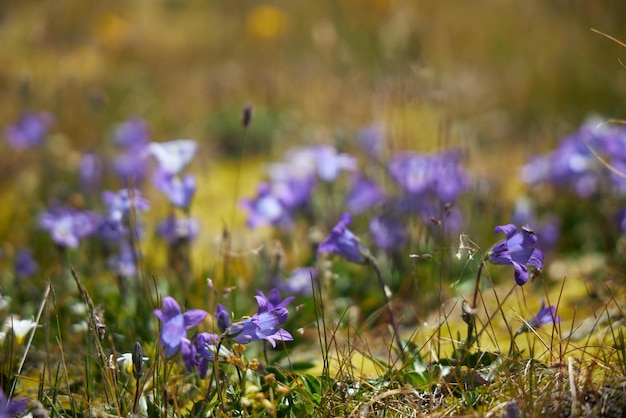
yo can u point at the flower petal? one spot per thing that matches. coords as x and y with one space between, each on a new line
193 317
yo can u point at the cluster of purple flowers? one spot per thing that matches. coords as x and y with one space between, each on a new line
263 325
577 163
428 187
292 183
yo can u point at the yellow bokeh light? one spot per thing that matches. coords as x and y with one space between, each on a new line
267 22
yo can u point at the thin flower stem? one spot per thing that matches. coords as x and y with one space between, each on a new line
372 261
471 320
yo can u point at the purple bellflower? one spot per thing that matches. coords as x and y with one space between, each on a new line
264 324
29 131
546 316
517 249
206 347
10 408
179 191
175 325
67 227
343 242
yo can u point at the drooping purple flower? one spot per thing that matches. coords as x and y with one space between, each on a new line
175 324
546 316
388 232
179 191
67 227
25 264
343 242
222 317
264 324
173 156
10 408
90 172
518 249
29 131
363 195
175 229
266 209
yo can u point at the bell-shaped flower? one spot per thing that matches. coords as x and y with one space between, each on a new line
546 316
518 249
10 408
264 324
175 325
343 242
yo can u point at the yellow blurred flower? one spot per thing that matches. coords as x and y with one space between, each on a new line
267 22
112 30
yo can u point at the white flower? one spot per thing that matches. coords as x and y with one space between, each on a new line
126 362
21 327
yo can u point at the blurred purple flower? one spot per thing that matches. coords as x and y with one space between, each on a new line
119 204
112 230
299 281
371 140
175 325
174 229
573 164
388 233
179 191
266 209
363 195
264 324
67 227
29 131
518 249
330 163
441 174
132 134
131 167
123 263
90 172
343 242
546 316
10 408
25 265
173 156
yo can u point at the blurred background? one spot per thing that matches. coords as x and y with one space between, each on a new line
502 79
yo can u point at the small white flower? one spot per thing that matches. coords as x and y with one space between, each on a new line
21 328
126 362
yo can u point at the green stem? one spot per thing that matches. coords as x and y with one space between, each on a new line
470 319
372 261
